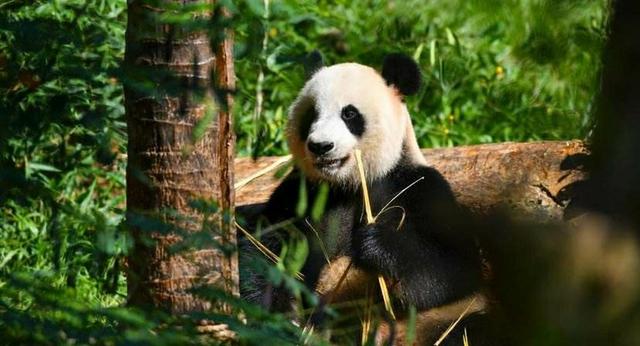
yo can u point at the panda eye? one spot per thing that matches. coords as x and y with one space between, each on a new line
349 113
353 119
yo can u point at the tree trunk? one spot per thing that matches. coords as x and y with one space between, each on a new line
180 151
614 187
533 179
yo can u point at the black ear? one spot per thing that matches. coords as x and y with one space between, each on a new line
312 63
402 72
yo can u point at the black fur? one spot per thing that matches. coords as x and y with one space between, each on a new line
305 122
431 261
428 257
402 72
353 119
312 63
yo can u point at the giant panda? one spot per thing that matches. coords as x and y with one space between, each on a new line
419 243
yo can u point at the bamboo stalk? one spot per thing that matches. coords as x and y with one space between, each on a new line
262 172
265 250
371 219
365 189
455 323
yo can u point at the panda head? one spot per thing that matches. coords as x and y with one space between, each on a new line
351 106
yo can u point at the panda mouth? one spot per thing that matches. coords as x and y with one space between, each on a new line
327 164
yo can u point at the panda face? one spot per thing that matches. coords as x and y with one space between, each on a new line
342 108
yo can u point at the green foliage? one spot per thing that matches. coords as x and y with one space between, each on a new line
32 312
62 140
493 71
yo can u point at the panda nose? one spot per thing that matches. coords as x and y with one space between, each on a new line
320 148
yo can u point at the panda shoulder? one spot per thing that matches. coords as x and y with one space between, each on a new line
423 183
282 202
432 177
423 176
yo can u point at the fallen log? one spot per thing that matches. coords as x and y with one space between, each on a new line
532 179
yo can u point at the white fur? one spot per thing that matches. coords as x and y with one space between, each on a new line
387 123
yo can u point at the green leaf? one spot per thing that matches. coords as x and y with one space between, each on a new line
451 39
297 253
411 325
301 207
418 52
320 202
88 197
432 52
35 166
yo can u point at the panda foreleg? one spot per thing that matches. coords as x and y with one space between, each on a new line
428 273
381 249
399 255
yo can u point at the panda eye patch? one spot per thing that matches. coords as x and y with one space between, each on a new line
353 119
306 120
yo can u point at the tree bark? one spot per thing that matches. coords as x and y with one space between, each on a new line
533 179
180 150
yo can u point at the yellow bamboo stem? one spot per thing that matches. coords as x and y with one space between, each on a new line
370 219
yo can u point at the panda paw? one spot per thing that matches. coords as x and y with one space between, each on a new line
368 247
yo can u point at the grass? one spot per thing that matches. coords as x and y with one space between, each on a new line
493 70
